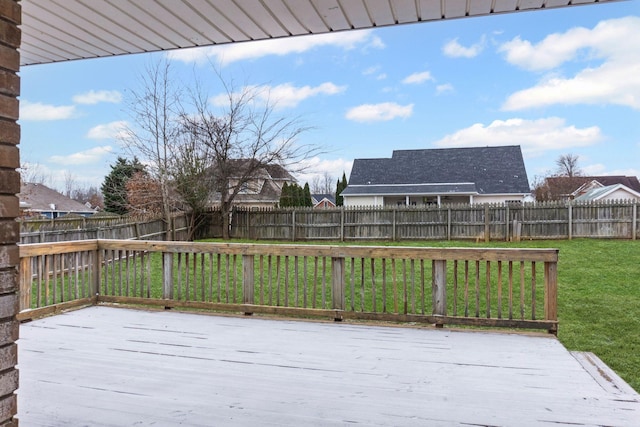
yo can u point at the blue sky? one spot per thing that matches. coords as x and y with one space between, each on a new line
555 82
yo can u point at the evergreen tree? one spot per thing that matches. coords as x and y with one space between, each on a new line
299 196
307 196
340 186
114 187
285 196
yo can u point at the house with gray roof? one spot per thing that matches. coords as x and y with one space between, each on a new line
323 201
40 200
439 176
261 188
609 193
572 187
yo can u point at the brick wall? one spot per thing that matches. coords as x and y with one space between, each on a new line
10 15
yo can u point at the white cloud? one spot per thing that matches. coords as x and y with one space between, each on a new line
534 136
112 130
614 43
600 169
375 70
93 97
317 167
379 112
228 53
83 157
283 96
371 70
37 111
417 78
444 88
454 49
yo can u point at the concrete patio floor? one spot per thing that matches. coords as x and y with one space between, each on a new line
106 366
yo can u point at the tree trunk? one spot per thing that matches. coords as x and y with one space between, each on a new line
225 211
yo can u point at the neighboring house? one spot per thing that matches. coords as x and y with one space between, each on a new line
40 200
439 176
569 188
262 190
610 192
323 201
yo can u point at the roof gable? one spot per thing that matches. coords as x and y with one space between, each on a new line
493 170
600 193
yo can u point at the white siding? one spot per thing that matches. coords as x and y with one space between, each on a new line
363 200
619 194
497 198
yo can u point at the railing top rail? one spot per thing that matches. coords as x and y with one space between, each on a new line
473 254
35 249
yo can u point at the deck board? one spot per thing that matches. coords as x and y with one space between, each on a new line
105 366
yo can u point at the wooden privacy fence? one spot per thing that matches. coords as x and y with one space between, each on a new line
483 287
101 227
502 222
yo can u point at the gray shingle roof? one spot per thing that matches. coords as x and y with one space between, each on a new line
38 197
481 170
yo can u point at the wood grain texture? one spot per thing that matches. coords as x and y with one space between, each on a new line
104 366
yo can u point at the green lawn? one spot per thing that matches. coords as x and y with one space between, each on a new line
598 297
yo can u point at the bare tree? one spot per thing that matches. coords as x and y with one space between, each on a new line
322 184
567 165
70 183
198 154
88 194
243 137
34 174
192 179
154 109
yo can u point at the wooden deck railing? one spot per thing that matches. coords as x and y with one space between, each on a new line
513 288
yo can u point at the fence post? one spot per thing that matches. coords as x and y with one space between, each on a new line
342 223
570 221
634 224
293 225
551 293
439 288
393 227
448 223
338 286
487 224
506 222
167 275
26 276
248 266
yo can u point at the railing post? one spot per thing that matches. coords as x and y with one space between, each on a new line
338 286
551 293
248 266
26 276
439 288
167 275
96 273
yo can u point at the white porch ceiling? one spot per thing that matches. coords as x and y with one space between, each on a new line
61 30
